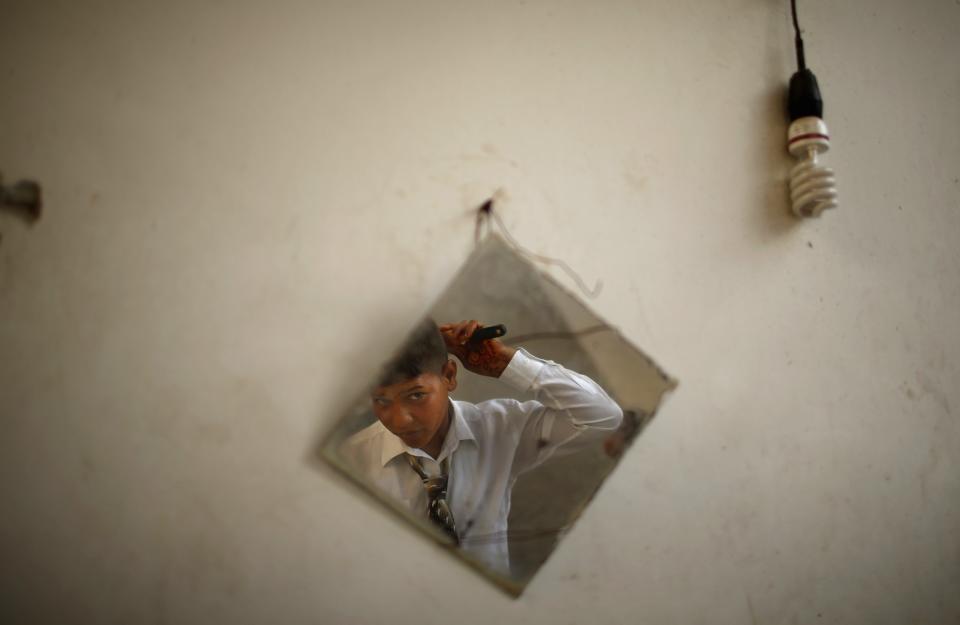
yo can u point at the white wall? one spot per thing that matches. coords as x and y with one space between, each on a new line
245 203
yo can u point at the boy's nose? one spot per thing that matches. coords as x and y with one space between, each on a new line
398 419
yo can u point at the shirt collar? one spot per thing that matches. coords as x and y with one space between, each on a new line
392 446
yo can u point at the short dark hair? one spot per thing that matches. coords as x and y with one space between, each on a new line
424 352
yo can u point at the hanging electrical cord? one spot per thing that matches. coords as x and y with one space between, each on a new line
812 186
798 39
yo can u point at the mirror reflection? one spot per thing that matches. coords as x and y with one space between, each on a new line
499 416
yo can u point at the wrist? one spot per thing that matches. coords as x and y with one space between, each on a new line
506 355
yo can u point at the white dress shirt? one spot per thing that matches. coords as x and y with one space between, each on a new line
489 445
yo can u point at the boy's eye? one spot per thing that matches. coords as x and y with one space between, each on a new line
380 401
417 396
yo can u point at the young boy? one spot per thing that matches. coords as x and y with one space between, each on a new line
456 462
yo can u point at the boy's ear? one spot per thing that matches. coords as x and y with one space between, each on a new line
449 375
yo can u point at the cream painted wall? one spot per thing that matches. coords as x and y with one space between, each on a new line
247 201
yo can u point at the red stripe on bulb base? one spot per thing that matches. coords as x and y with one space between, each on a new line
809 135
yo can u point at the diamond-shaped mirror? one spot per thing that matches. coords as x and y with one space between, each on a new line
494 446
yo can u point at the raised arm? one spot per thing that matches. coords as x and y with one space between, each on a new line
567 409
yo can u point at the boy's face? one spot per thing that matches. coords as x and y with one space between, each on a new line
416 409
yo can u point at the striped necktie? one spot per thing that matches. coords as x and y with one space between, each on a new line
437 507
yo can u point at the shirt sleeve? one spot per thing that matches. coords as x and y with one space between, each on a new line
568 409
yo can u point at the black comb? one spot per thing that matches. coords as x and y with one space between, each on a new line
487 333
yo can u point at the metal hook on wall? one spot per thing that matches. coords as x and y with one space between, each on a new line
22 197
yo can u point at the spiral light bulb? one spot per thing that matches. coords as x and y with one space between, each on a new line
812 186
